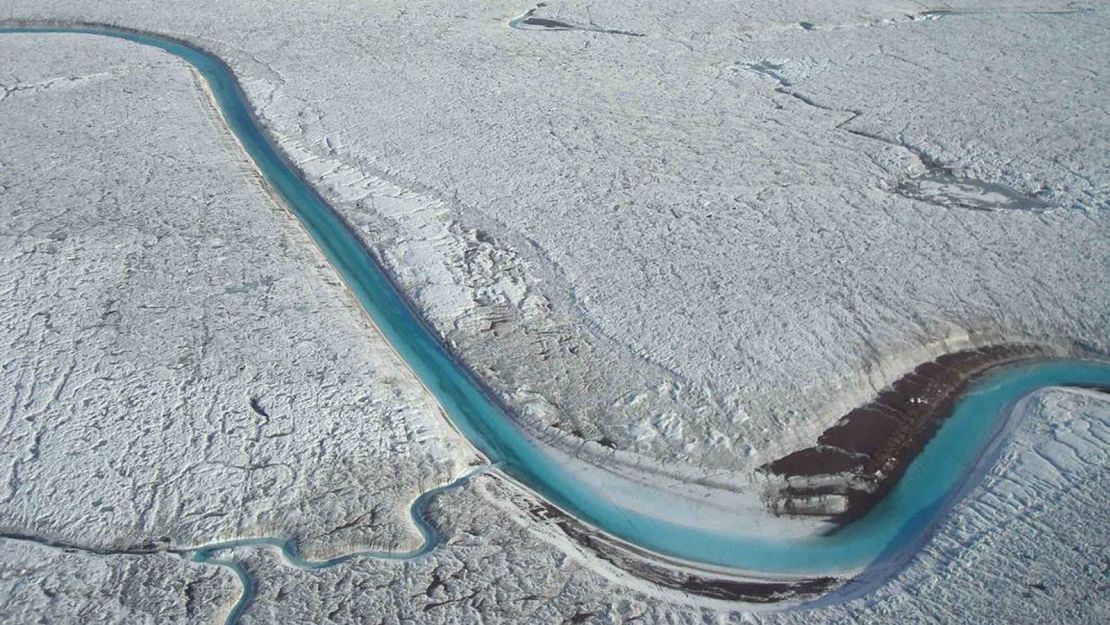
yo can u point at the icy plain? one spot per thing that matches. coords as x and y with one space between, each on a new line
733 241
182 366
699 259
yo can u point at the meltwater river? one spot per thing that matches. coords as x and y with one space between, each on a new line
928 485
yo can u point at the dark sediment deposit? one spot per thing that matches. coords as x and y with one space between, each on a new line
546 23
677 575
857 461
529 22
940 186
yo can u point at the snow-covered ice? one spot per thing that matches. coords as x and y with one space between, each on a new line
181 365
686 252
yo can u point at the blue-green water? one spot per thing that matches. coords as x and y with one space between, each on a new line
900 518
429 539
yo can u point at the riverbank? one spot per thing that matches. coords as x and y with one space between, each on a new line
857 462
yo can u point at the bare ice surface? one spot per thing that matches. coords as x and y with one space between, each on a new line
41 584
180 364
641 244
1028 546
681 253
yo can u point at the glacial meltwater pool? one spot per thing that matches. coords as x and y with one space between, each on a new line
898 521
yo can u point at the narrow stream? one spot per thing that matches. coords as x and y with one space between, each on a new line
429 539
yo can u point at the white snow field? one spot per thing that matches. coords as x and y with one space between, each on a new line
685 244
685 248
180 363
41 584
1027 546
